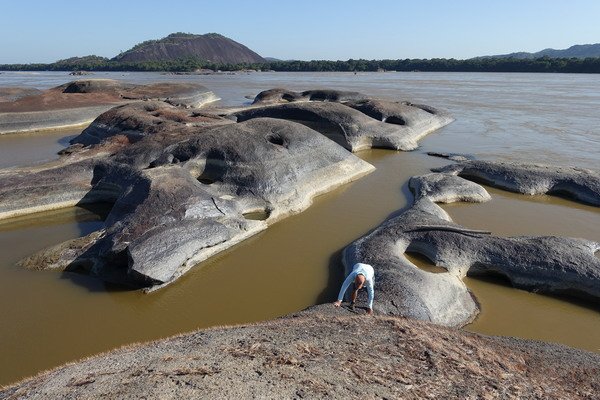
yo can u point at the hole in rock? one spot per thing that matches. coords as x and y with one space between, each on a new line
365 108
490 276
214 169
260 215
477 179
205 181
100 209
276 139
307 118
423 262
423 107
288 97
329 130
563 194
394 120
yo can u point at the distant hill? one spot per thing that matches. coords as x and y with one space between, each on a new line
210 47
577 51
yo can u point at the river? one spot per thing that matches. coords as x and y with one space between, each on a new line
49 318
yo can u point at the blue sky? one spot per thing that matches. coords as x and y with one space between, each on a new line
45 31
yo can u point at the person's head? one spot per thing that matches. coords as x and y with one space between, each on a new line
359 281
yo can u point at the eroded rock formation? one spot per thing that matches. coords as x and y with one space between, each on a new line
545 264
79 102
581 184
351 119
183 182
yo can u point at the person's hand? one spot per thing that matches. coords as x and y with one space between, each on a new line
337 303
369 311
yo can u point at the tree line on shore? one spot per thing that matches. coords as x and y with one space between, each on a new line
542 64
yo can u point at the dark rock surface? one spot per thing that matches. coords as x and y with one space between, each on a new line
79 102
81 73
578 183
280 95
357 124
319 356
137 120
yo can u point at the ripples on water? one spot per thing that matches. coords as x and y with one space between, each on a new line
512 116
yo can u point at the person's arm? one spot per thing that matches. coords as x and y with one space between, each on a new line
371 293
345 285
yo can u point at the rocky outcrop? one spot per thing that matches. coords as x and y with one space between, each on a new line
403 288
15 93
357 124
279 95
317 356
185 183
210 47
81 73
138 120
180 195
544 264
578 183
79 102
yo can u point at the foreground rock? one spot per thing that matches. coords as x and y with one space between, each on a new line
403 288
351 119
316 356
544 264
79 102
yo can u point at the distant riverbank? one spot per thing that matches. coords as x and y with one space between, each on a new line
492 64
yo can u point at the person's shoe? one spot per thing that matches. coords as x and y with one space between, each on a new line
352 306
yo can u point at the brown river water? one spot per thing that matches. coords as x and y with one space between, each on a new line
49 318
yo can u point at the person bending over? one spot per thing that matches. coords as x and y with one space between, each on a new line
362 275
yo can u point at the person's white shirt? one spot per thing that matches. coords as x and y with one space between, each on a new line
365 270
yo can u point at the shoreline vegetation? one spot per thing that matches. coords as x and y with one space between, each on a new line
191 64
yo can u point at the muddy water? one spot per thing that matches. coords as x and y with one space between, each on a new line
511 312
513 214
30 148
50 317
506 311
